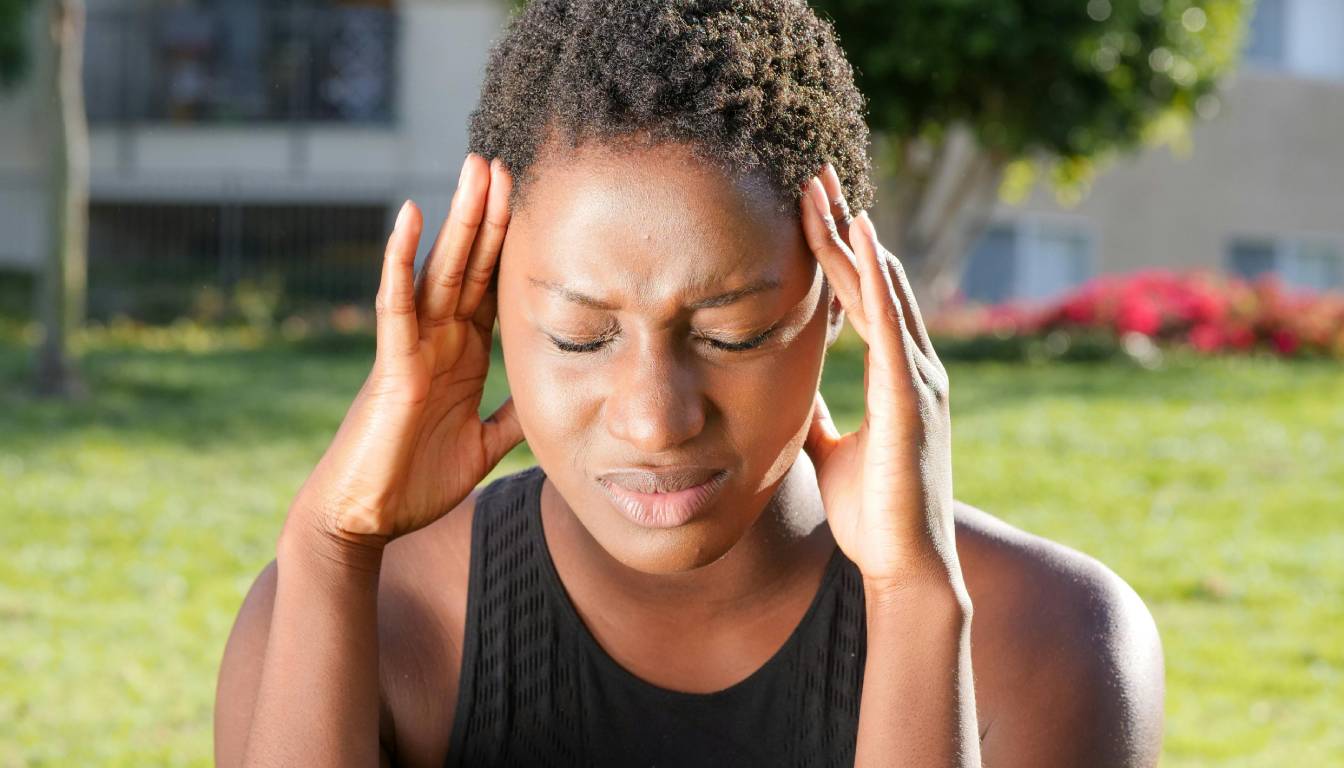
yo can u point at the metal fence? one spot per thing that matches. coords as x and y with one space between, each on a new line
241 61
157 261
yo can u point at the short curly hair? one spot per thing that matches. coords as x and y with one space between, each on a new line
750 86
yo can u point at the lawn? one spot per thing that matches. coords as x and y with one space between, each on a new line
134 523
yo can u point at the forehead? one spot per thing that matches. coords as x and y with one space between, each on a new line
649 222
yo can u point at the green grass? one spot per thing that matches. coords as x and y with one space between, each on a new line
134 522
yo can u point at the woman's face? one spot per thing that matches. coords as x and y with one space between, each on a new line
663 328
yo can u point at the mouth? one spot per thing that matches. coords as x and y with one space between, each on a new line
665 498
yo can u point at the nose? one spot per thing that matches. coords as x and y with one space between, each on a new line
655 404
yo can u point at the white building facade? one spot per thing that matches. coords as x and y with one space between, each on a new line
1262 189
229 136
235 137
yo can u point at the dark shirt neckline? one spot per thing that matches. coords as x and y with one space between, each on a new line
556 587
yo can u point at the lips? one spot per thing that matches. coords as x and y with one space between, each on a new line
662 498
667 480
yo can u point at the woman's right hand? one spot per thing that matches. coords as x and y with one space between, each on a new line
412 446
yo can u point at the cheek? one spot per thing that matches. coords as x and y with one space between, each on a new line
541 400
766 406
549 401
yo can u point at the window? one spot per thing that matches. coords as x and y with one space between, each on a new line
1315 29
1031 259
988 276
1265 35
1298 36
217 61
1315 264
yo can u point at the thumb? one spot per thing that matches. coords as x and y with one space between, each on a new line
501 432
821 434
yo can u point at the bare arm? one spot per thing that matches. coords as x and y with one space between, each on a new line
887 490
321 660
299 684
918 701
240 670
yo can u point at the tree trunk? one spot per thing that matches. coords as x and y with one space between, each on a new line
937 198
62 285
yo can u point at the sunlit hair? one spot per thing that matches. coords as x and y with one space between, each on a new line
750 86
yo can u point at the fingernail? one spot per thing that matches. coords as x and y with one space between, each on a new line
462 174
818 194
867 224
403 215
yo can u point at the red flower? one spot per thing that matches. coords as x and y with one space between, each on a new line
1206 338
1285 341
1139 315
1239 337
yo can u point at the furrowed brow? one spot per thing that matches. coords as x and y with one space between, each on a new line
760 286
722 299
571 295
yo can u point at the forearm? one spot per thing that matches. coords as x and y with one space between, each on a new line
318 699
918 702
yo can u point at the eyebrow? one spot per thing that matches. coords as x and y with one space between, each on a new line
722 299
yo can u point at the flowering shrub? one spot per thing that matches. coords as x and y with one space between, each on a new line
1201 310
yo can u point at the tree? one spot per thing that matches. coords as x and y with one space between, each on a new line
61 285
962 91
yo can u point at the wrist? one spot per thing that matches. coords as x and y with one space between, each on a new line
308 536
936 597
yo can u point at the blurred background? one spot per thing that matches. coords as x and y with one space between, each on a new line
1125 220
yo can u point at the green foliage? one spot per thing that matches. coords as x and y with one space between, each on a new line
1068 78
14 53
136 521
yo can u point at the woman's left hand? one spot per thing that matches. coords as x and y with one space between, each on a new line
887 488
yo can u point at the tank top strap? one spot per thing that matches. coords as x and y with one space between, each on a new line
517 701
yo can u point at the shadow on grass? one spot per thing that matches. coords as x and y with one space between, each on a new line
194 398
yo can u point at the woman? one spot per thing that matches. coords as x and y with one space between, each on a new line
701 570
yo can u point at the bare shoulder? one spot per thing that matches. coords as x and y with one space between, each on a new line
422 595
422 608
1068 662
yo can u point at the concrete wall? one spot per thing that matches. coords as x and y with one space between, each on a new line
1270 164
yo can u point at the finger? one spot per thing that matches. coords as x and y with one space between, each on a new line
485 251
834 255
821 433
441 284
397 331
501 432
484 317
926 361
835 192
890 346
914 321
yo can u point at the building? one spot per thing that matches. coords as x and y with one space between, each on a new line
1261 191
232 139
238 139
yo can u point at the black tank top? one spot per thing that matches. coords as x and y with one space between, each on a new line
536 689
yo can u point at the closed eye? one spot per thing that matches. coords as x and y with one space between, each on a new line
577 346
583 347
740 346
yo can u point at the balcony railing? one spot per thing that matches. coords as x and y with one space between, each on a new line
241 62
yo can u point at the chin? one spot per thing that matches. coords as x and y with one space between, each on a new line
664 551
